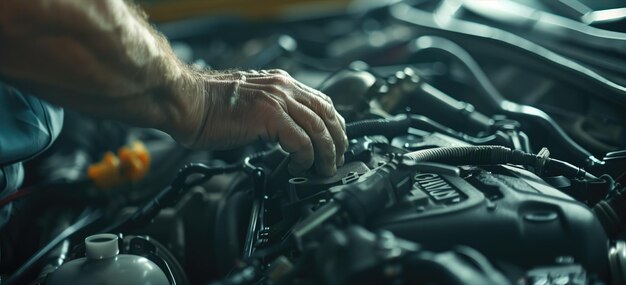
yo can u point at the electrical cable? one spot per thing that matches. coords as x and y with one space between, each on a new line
86 221
26 191
611 212
497 42
492 97
171 194
545 24
399 124
385 127
488 155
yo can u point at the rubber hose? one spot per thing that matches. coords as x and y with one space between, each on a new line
612 213
496 101
473 155
386 127
568 170
495 154
398 126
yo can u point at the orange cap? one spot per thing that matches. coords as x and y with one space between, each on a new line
132 165
135 161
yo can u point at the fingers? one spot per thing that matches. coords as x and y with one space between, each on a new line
315 100
281 127
323 106
237 75
323 142
294 140
298 129
311 111
273 75
341 151
332 120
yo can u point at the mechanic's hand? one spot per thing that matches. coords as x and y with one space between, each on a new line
242 107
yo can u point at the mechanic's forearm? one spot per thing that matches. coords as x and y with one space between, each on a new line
98 57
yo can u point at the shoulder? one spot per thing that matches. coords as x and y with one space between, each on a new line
29 125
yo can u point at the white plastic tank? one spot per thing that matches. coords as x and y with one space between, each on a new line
104 265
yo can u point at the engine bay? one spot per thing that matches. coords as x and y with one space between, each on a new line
480 152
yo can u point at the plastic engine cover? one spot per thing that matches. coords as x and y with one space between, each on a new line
507 213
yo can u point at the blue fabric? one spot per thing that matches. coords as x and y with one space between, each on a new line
13 177
28 126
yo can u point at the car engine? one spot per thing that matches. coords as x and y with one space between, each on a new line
487 145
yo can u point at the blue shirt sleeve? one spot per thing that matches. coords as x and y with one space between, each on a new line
28 126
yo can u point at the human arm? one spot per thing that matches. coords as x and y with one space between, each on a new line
101 58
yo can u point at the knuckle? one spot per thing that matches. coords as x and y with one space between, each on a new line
327 98
305 145
327 110
341 142
278 71
342 125
329 153
318 126
280 79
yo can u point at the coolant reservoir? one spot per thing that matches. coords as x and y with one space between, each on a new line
104 265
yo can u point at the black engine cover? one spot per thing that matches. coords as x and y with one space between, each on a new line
507 213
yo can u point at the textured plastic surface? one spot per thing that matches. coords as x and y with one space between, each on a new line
507 213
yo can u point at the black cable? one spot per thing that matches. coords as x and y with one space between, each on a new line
250 271
54 260
472 155
398 125
299 267
88 218
543 24
249 161
427 124
248 275
269 252
487 155
611 212
63 184
174 269
497 102
450 268
171 194
386 127
497 42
